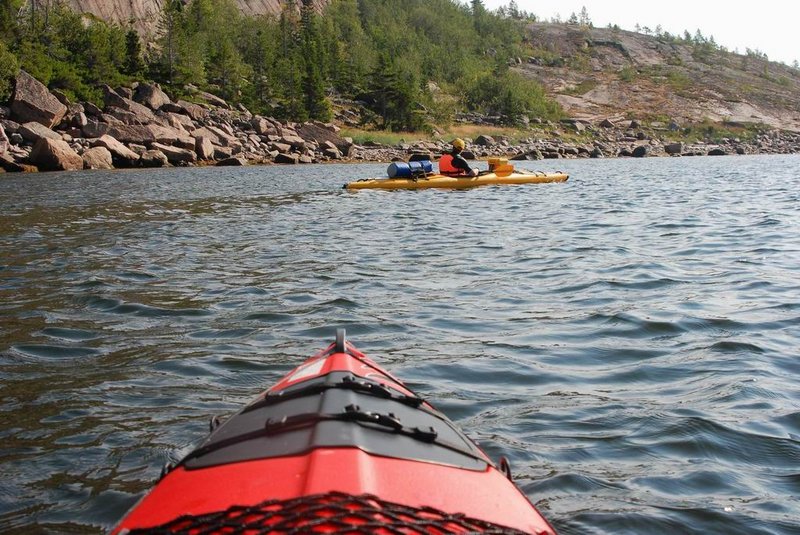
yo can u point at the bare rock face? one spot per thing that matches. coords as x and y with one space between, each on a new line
145 14
32 102
55 155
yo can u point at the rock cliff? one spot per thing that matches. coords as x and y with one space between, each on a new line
143 14
597 73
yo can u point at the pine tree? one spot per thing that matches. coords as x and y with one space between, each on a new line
288 66
316 103
170 26
479 16
134 65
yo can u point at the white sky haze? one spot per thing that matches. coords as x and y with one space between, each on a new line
769 26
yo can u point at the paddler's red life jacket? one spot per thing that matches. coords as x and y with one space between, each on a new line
446 166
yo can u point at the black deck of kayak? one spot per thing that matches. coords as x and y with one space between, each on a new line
337 410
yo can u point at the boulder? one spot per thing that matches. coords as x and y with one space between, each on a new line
263 126
151 95
214 100
177 121
529 155
175 155
110 120
153 158
223 138
194 111
7 163
125 92
673 148
288 158
205 132
33 102
113 99
97 158
332 153
139 134
34 131
55 155
204 148
607 123
92 110
121 155
167 135
484 141
220 153
235 161
640 152
185 142
10 126
125 116
227 128
280 147
62 98
319 135
94 129
79 120
3 140
717 152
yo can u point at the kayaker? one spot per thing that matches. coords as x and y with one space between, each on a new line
454 164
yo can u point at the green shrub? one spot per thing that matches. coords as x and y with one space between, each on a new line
512 96
627 74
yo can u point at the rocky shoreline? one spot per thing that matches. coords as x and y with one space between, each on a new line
142 127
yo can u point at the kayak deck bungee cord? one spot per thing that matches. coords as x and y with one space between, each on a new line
336 446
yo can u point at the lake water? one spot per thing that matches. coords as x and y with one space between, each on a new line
628 339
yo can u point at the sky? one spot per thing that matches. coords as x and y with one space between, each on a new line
768 26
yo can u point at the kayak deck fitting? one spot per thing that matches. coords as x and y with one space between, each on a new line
337 446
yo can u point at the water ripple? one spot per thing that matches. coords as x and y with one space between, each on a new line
628 339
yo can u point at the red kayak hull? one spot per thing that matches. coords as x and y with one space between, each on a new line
476 489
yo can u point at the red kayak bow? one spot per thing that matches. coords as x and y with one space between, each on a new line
337 446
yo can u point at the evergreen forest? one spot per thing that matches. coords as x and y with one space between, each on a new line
412 63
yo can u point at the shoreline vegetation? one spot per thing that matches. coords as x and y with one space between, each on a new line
141 127
321 81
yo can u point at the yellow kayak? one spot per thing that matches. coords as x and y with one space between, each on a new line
458 182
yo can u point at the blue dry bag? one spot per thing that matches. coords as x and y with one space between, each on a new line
410 169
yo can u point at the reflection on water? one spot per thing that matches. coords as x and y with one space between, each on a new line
628 339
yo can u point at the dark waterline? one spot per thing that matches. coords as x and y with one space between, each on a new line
627 339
